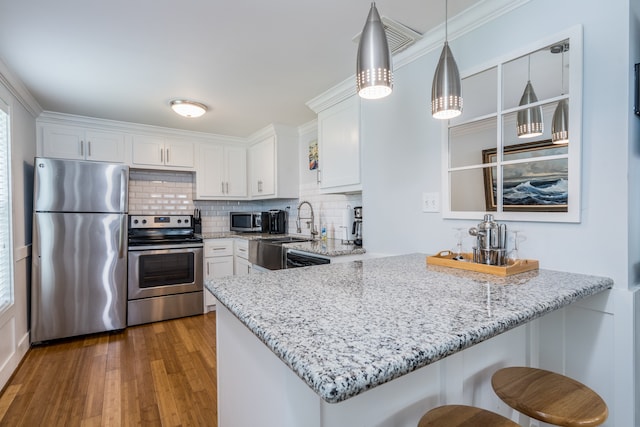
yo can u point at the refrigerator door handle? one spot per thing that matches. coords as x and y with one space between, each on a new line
124 190
123 231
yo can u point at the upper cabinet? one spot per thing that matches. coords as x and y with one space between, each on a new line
162 152
221 172
82 144
339 147
502 154
273 163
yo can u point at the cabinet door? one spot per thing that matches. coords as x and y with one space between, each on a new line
104 146
210 172
242 267
179 153
236 167
63 143
262 157
147 150
220 266
339 145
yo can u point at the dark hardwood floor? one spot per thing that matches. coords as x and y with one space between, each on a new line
160 374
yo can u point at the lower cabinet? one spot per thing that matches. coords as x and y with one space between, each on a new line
224 257
241 264
218 262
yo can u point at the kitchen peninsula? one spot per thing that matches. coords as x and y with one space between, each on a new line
371 342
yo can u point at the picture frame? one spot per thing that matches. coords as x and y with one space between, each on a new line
313 155
540 185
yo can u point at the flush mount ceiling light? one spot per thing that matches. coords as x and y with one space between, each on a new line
560 122
374 77
446 92
529 121
188 108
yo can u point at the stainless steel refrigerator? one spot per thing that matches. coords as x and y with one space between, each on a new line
79 271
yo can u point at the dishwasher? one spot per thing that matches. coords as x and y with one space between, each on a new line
297 258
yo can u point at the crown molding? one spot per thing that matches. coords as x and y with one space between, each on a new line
63 119
308 127
15 86
470 19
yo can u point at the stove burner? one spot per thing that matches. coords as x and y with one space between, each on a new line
148 230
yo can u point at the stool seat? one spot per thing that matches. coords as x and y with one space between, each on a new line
463 416
549 397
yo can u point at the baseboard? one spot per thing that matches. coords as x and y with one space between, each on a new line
8 369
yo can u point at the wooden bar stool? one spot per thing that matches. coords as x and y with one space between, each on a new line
549 397
463 416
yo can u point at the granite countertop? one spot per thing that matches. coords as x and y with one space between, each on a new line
346 328
328 247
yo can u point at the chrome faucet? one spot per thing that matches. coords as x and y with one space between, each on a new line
310 223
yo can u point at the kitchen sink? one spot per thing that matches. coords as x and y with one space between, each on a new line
269 253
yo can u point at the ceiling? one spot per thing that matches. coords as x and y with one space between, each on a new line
251 62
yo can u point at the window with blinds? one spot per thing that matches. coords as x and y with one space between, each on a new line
6 274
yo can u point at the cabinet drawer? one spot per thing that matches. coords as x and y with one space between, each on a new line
218 248
242 249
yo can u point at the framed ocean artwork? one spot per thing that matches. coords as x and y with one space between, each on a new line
313 155
538 182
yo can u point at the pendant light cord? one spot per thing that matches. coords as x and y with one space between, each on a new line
562 73
446 20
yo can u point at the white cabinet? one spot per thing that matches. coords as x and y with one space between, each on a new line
262 158
241 266
218 262
339 147
221 172
273 163
157 151
82 144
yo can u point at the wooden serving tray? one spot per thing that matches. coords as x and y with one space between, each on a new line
445 258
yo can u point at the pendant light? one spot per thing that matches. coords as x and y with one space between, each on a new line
529 121
446 92
374 77
560 122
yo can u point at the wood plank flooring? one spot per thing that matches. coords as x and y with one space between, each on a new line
160 374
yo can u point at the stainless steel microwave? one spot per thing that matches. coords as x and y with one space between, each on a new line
245 221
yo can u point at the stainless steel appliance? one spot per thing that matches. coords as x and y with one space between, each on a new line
269 253
247 222
165 279
79 269
295 259
274 221
357 226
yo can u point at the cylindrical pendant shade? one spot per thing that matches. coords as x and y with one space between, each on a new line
529 120
446 92
560 123
374 77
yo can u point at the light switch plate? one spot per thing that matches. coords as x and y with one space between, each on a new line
430 202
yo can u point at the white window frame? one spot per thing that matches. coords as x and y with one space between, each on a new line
7 286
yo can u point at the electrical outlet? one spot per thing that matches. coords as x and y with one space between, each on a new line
430 202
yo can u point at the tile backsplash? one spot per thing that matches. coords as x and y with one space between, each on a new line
168 192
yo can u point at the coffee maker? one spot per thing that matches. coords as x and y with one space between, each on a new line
357 226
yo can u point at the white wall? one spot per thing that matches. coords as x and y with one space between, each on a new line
402 158
14 330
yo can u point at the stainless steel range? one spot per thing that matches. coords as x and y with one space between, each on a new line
165 268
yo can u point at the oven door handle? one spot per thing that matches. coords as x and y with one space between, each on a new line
122 237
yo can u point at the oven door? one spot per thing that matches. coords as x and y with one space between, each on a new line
160 272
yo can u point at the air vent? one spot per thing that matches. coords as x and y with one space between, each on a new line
399 36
